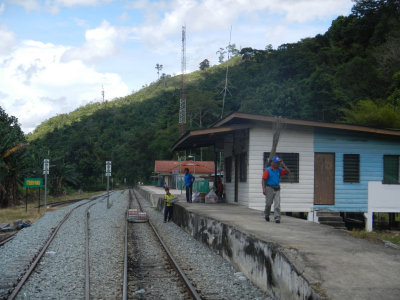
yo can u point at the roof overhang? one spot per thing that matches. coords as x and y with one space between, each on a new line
205 137
239 121
237 117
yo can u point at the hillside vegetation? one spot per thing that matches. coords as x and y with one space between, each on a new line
349 74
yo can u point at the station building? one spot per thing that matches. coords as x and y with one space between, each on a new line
334 167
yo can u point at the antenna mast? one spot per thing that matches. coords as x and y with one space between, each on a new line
226 75
182 103
102 92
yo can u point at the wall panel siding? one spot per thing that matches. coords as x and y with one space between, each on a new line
353 197
294 196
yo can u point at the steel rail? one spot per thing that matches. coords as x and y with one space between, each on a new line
87 252
6 240
35 262
125 284
175 264
125 281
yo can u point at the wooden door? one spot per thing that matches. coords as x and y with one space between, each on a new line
236 178
324 178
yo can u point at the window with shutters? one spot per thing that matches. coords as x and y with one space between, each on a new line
391 169
292 162
228 169
351 168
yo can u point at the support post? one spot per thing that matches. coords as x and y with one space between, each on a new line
108 191
45 191
39 201
26 200
369 221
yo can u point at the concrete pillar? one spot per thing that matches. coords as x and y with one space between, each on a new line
368 221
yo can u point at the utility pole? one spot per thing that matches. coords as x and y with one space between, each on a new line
108 174
46 168
102 92
182 103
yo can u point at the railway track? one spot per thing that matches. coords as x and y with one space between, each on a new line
151 272
54 204
5 292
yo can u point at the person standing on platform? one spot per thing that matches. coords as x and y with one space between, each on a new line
271 187
169 207
189 179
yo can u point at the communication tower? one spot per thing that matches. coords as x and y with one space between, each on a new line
182 102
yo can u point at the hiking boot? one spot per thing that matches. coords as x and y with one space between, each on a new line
277 221
266 218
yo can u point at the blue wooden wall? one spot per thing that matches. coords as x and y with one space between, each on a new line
353 197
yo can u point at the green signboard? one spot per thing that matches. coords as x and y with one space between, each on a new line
33 182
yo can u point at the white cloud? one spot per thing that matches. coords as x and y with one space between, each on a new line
7 39
54 6
166 18
36 85
28 5
100 42
2 6
80 22
123 17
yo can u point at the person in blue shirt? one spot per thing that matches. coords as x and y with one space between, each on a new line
189 179
271 187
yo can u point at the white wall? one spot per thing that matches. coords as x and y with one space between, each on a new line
383 197
294 196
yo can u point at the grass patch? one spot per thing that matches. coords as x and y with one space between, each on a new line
376 236
10 214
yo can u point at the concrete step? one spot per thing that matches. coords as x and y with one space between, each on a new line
328 214
330 219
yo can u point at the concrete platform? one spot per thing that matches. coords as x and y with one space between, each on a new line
153 193
296 259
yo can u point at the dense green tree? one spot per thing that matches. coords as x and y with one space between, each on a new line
12 158
205 64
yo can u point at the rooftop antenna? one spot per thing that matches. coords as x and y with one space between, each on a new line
226 76
182 102
102 92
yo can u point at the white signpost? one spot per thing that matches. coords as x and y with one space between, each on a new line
108 174
46 168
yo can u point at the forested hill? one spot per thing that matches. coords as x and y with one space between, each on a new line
349 74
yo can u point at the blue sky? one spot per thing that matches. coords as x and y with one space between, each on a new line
55 55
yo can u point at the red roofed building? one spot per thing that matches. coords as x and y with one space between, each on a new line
166 169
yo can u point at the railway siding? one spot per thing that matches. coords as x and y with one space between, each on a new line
18 253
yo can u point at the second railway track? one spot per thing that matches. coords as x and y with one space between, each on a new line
17 286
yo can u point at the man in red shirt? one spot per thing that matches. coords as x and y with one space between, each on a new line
271 187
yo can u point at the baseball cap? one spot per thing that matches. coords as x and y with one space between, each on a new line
276 159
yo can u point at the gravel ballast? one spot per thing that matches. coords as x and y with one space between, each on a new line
61 273
212 276
17 254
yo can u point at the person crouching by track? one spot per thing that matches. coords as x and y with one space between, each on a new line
271 187
169 207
